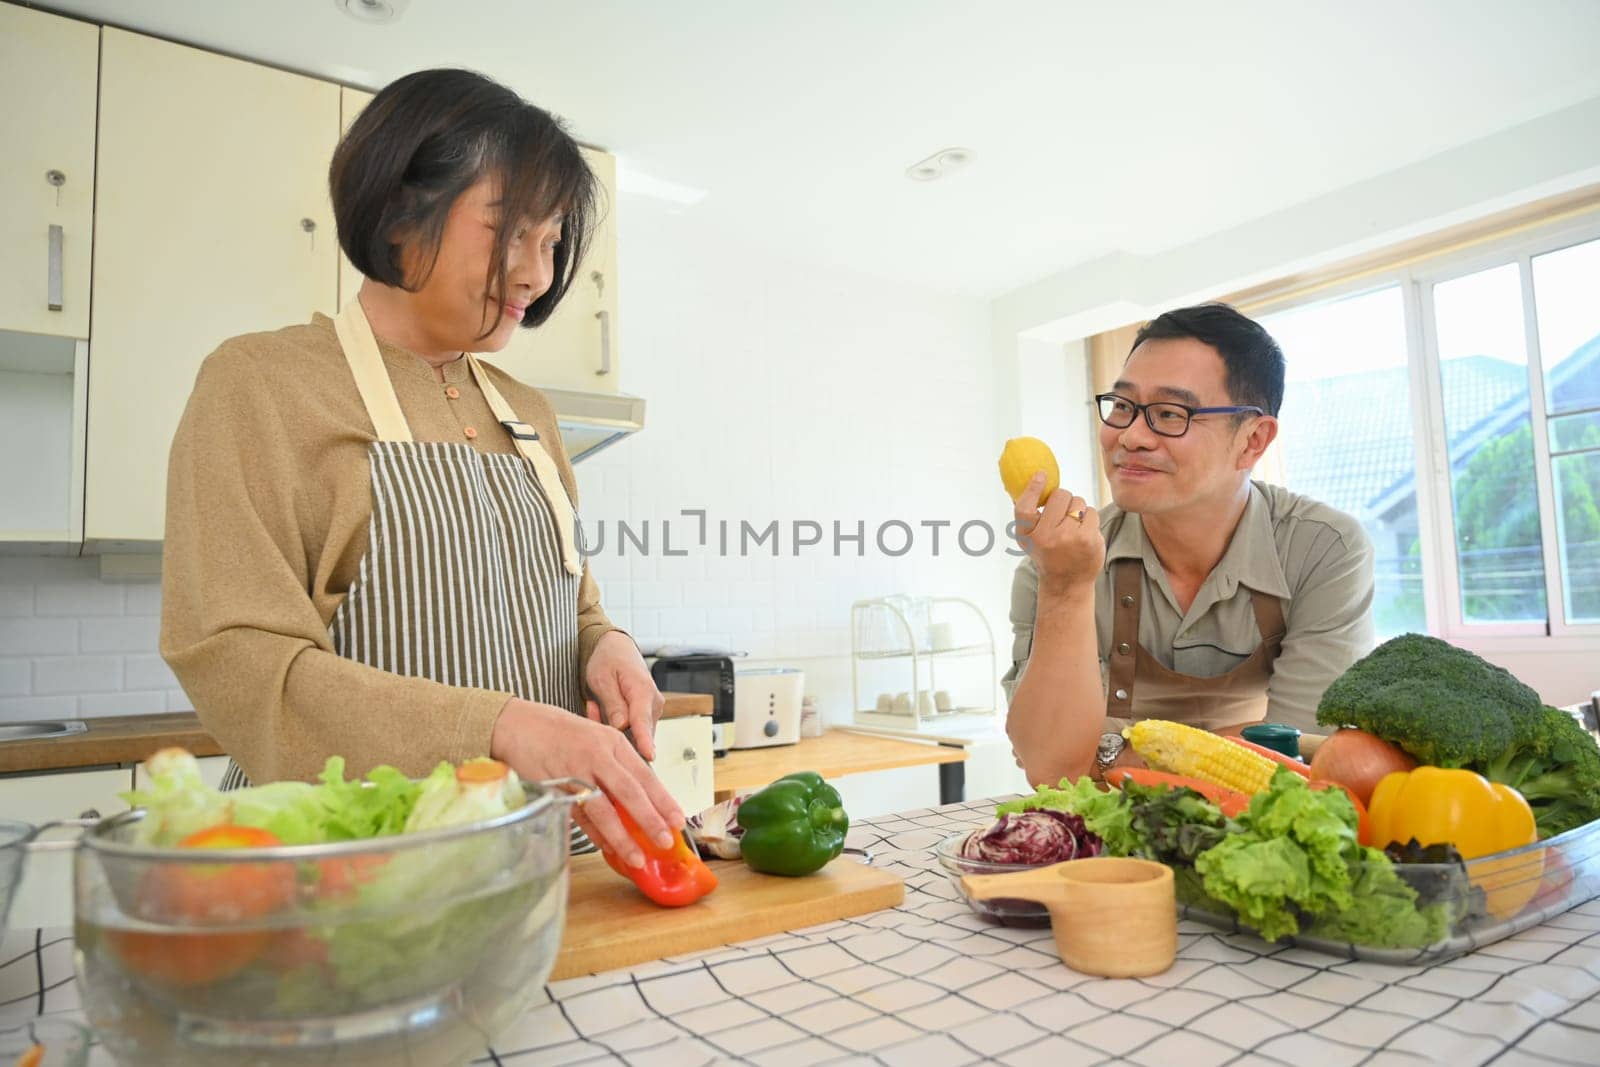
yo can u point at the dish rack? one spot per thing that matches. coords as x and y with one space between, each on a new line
915 661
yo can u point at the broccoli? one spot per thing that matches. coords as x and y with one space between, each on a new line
1450 708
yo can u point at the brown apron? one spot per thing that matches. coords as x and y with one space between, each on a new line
1239 696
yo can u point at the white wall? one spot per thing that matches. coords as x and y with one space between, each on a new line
1054 395
777 391
774 391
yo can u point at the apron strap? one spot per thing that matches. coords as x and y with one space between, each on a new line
1126 588
372 378
1269 620
526 438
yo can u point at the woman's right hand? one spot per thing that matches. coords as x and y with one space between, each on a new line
542 741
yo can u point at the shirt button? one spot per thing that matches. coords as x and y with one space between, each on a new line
471 433
1124 648
452 392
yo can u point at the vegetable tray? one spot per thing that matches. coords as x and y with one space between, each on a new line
1527 886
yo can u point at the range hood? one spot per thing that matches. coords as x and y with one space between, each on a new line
590 422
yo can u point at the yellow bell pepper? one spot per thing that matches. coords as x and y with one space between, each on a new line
1438 806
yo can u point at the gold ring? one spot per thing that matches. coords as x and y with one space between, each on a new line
1080 513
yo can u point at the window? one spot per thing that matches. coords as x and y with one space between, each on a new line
1347 433
1566 287
1454 410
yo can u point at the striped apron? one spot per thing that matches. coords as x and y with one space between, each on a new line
472 566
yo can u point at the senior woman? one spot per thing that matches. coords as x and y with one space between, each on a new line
372 548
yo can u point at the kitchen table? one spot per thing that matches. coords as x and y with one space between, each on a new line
930 984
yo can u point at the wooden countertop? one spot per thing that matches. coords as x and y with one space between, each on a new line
119 739
132 738
835 753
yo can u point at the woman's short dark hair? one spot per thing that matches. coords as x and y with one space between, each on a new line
422 142
1253 359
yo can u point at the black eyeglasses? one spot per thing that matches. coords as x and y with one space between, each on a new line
1164 417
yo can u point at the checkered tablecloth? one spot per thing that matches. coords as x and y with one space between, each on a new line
930 984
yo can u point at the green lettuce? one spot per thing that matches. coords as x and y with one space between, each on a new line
1384 910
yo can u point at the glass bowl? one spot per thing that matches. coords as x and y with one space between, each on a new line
1469 905
62 1042
416 948
1005 911
14 837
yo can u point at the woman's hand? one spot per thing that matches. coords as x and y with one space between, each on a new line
625 694
542 741
1063 538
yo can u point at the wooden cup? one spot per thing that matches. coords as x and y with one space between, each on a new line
1113 917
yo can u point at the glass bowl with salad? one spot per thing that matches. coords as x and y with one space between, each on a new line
381 920
1015 841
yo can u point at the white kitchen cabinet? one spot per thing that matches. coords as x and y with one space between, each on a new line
47 129
47 81
44 384
351 103
683 761
44 896
212 219
577 348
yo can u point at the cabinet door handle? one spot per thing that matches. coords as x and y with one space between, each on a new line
605 341
53 284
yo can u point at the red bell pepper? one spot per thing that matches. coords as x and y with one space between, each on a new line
672 877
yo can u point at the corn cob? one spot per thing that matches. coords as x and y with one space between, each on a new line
1180 749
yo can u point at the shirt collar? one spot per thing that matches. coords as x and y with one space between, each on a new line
1251 558
404 361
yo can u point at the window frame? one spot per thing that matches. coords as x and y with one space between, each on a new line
1441 576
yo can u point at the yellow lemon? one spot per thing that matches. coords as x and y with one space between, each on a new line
1024 457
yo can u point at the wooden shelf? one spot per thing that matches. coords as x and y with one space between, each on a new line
835 753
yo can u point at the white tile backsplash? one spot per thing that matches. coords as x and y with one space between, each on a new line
128 634
22 709
16 601
148 672
38 637
80 598
87 647
129 702
77 674
16 677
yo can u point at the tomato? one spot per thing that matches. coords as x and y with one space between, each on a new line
339 878
294 948
187 897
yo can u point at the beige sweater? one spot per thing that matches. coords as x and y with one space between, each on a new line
268 500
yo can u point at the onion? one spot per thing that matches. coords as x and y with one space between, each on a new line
1358 760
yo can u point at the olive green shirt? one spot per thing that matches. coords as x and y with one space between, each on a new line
1315 559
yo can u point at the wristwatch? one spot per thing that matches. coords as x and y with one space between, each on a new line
1111 746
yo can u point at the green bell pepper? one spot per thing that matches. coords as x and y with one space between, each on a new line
794 826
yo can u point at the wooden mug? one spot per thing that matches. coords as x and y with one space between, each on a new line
1113 917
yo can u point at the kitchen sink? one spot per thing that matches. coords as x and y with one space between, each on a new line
33 731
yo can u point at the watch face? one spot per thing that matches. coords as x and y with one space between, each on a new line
1110 748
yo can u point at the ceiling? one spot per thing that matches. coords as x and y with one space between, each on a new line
1097 127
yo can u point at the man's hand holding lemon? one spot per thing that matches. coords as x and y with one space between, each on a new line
1059 530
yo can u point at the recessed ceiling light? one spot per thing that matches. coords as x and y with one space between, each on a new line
941 163
375 11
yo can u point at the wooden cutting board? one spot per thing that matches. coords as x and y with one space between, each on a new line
610 924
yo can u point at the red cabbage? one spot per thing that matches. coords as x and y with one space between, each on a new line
1032 837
